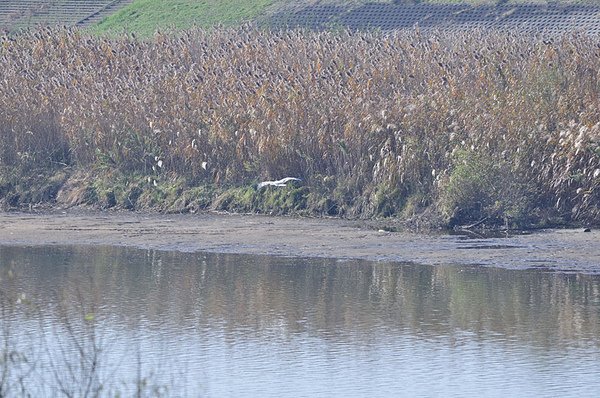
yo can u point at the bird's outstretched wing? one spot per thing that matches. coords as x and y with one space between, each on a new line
278 183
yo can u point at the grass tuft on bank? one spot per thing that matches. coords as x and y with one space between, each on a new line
463 128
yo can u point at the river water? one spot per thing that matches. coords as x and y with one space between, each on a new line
117 321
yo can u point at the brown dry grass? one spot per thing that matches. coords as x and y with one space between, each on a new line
366 118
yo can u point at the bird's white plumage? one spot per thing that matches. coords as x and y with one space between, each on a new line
278 183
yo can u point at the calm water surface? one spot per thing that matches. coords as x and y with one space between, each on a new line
231 325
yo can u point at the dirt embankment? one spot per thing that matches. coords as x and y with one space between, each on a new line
569 250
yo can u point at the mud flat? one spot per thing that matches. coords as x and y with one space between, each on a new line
565 250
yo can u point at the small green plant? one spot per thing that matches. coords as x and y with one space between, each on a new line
480 188
471 188
388 201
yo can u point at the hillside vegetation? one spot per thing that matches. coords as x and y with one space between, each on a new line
463 128
144 17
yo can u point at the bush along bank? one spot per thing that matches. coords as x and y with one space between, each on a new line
486 128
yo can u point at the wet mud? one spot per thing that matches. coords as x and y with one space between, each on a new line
565 250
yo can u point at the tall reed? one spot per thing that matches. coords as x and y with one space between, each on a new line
369 113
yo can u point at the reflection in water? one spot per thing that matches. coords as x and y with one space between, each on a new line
215 325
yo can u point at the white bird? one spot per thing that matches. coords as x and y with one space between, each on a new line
278 183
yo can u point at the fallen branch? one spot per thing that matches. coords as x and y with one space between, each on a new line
471 226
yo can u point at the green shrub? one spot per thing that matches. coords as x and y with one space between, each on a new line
481 187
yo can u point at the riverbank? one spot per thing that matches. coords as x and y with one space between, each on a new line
412 126
568 250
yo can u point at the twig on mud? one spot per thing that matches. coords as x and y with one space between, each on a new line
471 226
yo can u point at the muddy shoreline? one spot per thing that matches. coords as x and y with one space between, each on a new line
566 250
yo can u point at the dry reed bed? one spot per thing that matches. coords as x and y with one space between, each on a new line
476 124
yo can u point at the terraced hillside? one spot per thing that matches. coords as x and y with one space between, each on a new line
551 17
558 16
146 16
15 14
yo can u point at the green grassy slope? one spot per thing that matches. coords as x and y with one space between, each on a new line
145 16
